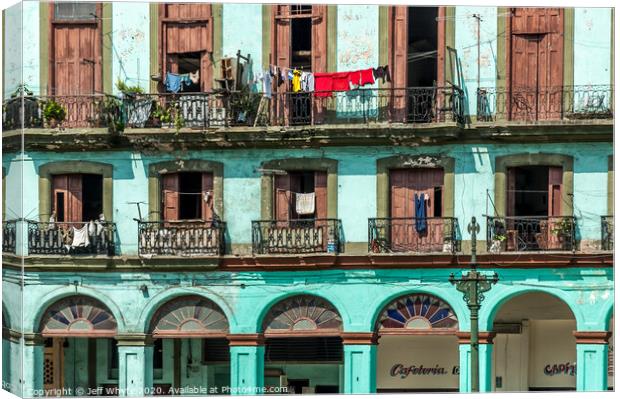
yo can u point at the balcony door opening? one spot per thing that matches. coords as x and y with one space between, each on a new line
190 195
187 196
92 206
422 35
531 191
301 57
187 63
77 197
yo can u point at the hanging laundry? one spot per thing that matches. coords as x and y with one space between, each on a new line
354 80
366 77
264 78
420 213
382 73
307 81
80 237
323 83
304 203
195 77
174 82
341 81
296 81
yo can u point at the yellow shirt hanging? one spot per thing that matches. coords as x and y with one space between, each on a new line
296 81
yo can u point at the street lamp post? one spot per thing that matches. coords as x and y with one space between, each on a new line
473 285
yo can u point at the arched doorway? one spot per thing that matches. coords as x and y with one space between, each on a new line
418 350
191 353
534 349
80 354
303 347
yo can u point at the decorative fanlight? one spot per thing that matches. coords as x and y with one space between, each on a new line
418 312
302 313
78 315
189 315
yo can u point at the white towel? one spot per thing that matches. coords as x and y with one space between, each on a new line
80 237
304 203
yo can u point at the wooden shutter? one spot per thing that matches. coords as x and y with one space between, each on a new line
525 52
511 186
60 186
70 185
398 65
282 196
319 53
76 59
281 54
320 192
170 196
207 193
555 190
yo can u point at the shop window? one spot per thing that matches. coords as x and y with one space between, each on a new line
187 196
77 197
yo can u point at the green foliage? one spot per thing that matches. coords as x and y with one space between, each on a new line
563 227
245 104
169 115
53 111
111 115
128 90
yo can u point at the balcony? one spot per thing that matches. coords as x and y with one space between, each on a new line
531 233
181 238
77 111
299 236
71 238
413 235
607 233
567 104
9 235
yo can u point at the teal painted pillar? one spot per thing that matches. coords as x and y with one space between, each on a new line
486 361
135 365
6 363
592 348
360 362
32 381
247 364
464 362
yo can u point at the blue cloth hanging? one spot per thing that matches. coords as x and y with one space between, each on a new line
420 213
175 81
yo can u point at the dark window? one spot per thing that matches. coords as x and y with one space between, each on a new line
190 195
531 191
60 207
422 46
158 354
113 351
302 182
189 63
75 11
92 195
319 349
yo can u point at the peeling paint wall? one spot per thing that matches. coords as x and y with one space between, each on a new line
242 27
21 48
130 44
592 46
466 42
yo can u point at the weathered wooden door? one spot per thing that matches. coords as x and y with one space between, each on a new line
536 64
398 39
67 197
408 232
53 361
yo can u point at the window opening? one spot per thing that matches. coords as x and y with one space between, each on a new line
303 183
158 354
422 46
60 207
189 63
74 11
301 57
190 195
92 195
531 191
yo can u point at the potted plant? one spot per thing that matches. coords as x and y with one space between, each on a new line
498 243
162 116
53 113
563 230
244 105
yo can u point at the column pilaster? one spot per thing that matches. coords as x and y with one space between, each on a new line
360 362
247 364
135 364
32 380
591 370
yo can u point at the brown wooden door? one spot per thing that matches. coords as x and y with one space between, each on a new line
398 38
170 196
536 64
187 28
76 59
554 241
67 197
282 197
406 234
207 196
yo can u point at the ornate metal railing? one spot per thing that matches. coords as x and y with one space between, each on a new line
181 238
531 233
607 233
79 111
416 235
546 103
71 238
9 235
296 236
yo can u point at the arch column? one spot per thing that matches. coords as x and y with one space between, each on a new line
485 351
247 364
360 362
33 350
592 348
135 364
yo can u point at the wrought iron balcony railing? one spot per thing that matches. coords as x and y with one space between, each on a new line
66 111
297 236
71 238
414 235
181 238
9 235
607 233
531 233
568 103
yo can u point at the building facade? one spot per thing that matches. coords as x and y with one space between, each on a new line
220 240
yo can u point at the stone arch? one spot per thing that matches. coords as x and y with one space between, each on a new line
417 312
494 303
169 295
317 164
58 295
301 313
157 169
46 171
77 315
187 316
459 312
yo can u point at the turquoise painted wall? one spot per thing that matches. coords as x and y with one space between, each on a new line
592 46
474 175
21 52
467 49
242 27
130 44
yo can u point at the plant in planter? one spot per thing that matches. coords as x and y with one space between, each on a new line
563 229
498 239
162 116
245 105
111 115
127 90
53 113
